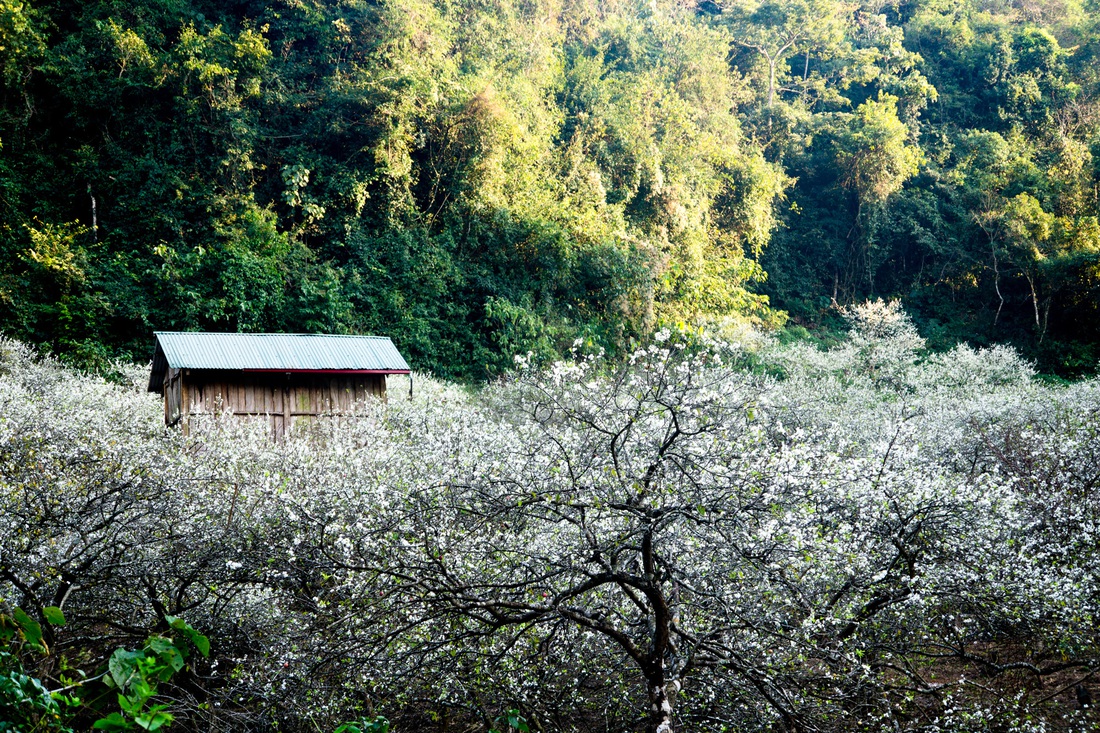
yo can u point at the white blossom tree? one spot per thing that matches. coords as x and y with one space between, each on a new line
739 554
865 538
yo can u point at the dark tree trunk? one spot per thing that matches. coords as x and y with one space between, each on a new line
660 706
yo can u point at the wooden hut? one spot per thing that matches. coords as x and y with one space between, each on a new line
278 377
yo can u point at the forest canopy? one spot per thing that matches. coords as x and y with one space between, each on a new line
481 178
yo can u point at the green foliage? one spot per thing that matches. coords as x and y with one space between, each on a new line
511 720
479 179
134 675
873 152
473 179
378 724
952 168
26 703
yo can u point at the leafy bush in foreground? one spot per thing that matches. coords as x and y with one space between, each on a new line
874 540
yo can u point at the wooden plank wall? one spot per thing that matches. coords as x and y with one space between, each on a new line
281 399
173 396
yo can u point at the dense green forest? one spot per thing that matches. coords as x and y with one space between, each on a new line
477 178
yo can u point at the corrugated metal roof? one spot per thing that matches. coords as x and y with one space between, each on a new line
273 351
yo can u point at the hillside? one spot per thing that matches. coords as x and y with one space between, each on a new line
483 178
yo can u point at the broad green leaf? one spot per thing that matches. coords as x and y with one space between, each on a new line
7 628
113 722
123 666
54 615
155 719
201 642
128 705
348 728
168 652
32 630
